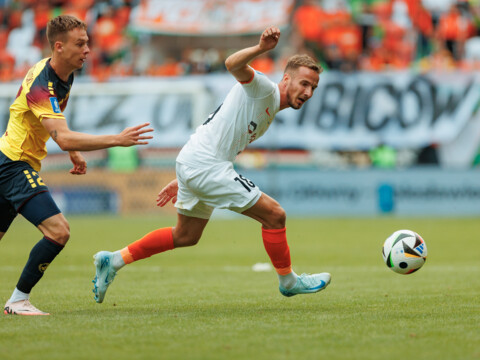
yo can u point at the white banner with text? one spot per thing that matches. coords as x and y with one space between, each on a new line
347 112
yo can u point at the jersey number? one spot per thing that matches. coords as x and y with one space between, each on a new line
33 178
247 184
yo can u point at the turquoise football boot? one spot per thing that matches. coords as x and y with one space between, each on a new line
104 274
307 284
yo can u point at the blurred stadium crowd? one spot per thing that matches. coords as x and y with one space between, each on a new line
346 35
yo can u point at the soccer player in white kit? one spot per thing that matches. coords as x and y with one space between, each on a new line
206 178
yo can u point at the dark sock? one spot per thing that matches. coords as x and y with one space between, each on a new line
41 256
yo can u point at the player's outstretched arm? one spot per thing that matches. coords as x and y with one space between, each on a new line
168 193
237 63
69 140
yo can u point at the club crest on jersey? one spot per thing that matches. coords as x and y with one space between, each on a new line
55 105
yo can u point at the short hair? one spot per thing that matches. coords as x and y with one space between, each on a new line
59 26
297 61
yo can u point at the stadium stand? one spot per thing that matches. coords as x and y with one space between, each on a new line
347 35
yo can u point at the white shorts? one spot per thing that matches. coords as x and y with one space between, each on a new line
200 190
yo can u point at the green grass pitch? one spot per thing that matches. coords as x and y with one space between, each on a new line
205 302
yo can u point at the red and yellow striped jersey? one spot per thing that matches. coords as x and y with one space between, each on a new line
42 95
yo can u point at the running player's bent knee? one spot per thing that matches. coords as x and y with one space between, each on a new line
63 236
276 219
185 240
59 232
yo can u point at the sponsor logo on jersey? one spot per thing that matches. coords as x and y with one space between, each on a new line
251 131
55 105
252 127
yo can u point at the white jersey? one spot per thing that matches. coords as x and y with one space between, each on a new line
244 116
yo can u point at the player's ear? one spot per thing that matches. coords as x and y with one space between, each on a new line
58 46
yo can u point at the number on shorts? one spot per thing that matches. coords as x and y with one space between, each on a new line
34 179
247 184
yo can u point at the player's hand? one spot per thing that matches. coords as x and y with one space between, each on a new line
79 163
135 135
269 38
168 193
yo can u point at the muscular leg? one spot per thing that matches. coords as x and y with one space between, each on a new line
273 218
56 233
271 215
187 232
41 211
56 228
268 212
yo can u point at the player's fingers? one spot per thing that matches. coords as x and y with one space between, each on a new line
162 203
138 127
143 131
272 30
162 195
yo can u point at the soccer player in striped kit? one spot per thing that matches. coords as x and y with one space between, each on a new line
206 178
35 116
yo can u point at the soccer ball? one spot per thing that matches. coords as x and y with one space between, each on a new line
404 252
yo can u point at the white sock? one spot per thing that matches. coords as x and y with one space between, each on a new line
288 281
17 295
117 260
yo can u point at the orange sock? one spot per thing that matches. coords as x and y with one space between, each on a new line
155 242
275 242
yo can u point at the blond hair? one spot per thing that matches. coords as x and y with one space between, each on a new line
58 27
297 61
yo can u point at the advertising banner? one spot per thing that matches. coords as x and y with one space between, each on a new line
347 111
412 192
362 110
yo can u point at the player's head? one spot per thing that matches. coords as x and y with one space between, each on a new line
299 80
68 39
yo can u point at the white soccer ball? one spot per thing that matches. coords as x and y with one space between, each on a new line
404 252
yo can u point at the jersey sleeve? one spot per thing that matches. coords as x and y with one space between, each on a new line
43 102
259 86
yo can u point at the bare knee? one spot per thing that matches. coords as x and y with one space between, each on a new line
57 230
183 238
62 233
276 218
